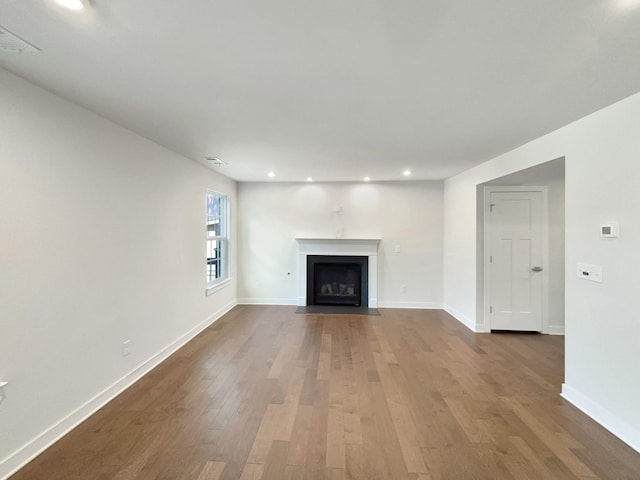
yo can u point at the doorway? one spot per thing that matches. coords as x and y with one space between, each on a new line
550 175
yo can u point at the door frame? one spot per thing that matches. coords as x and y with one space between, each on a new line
488 190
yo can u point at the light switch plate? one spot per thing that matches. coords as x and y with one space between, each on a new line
592 273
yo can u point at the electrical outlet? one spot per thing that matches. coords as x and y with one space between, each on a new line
403 288
126 348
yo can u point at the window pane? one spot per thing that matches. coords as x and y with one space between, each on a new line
216 229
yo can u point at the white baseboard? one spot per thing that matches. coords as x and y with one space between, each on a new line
26 453
418 305
621 429
267 301
556 330
466 321
295 302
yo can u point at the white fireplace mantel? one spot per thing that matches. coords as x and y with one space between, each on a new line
338 246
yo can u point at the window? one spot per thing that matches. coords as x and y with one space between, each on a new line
217 238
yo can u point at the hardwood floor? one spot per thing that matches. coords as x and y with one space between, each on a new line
265 393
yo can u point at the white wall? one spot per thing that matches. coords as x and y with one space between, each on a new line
101 240
602 321
408 214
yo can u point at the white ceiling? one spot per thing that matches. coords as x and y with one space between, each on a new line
334 89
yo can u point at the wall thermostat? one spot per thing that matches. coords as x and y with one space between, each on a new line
610 230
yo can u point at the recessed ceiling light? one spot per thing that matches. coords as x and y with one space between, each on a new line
272 174
366 179
406 173
309 179
628 4
72 4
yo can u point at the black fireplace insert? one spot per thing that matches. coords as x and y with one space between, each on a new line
337 280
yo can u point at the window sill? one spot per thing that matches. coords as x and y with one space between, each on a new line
218 286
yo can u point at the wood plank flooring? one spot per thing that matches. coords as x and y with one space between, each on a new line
267 394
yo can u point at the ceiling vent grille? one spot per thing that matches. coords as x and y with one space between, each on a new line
11 43
215 161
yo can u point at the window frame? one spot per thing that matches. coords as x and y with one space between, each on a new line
223 239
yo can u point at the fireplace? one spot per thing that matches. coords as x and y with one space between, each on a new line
339 247
337 280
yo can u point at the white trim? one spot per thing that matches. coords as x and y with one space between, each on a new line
556 330
267 301
621 429
294 302
466 321
487 191
417 305
218 286
19 458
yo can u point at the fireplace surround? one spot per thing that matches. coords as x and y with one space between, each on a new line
341 248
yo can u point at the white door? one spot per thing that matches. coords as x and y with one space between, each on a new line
516 225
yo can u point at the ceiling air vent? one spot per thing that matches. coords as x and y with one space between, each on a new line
215 161
11 43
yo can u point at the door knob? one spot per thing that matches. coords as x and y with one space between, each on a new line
536 269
